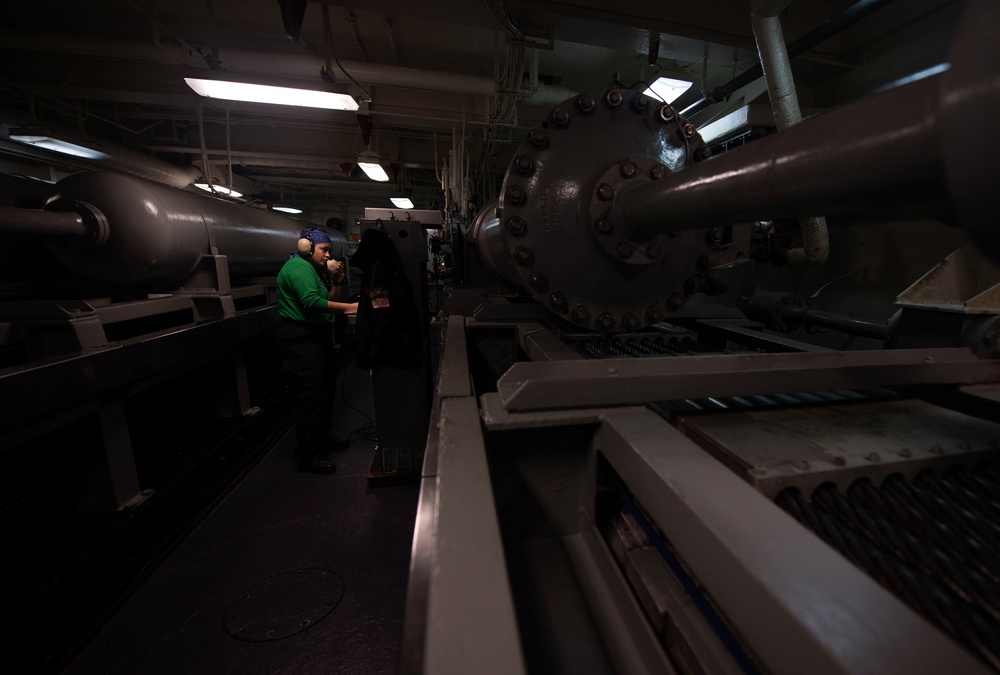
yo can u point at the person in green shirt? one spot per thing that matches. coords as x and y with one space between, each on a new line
308 290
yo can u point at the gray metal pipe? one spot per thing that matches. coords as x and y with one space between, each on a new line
877 156
43 223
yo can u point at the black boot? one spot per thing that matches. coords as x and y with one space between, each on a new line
320 461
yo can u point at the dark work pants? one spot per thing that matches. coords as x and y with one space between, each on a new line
307 363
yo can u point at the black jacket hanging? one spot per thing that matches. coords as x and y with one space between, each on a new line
388 324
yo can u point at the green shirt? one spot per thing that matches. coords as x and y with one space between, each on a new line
302 295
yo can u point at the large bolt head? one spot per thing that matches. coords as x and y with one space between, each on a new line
538 138
524 164
629 169
630 321
586 103
654 314
538 281
516 225
613 98
606 321
524 255
604 226
658 171
625 249
558 301
666 113
516 195
605 192
560 116
581 314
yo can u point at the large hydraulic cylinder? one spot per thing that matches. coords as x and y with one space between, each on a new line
135 232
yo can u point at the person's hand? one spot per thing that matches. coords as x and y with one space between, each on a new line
352 308
336 268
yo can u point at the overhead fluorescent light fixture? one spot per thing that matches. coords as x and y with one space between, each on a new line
58 145
368 161
667 89
218 189
401 202
233 90
286 209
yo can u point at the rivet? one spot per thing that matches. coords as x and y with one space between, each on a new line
516 225
538 138
586 103
604 226
613 98
606 321
625 249
628 169
714 235
538 281
558 301
524 164
653 251
560 116
516 195
654 314
605 192
708 260
666 113
524 255
658 171
581 314
630 321
689 130
675 301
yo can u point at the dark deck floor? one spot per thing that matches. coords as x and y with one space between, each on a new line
290 573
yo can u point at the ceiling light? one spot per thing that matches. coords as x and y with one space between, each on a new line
58 145
368 161
218 189
286 209
667 89
329 96
401 202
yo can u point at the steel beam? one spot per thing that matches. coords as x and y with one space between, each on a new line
598 383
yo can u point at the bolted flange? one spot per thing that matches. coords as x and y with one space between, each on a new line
538 138
613 97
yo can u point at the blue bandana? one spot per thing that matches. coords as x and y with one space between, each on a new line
316 236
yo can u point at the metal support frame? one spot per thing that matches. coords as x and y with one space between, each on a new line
823 615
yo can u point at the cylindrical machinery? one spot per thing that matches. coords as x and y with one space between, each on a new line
124 230
610 217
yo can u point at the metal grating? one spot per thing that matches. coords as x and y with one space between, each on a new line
934 542
639 346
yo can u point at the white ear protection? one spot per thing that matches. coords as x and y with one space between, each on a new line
305 245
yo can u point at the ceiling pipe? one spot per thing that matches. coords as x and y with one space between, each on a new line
777 70
302 66
818 35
